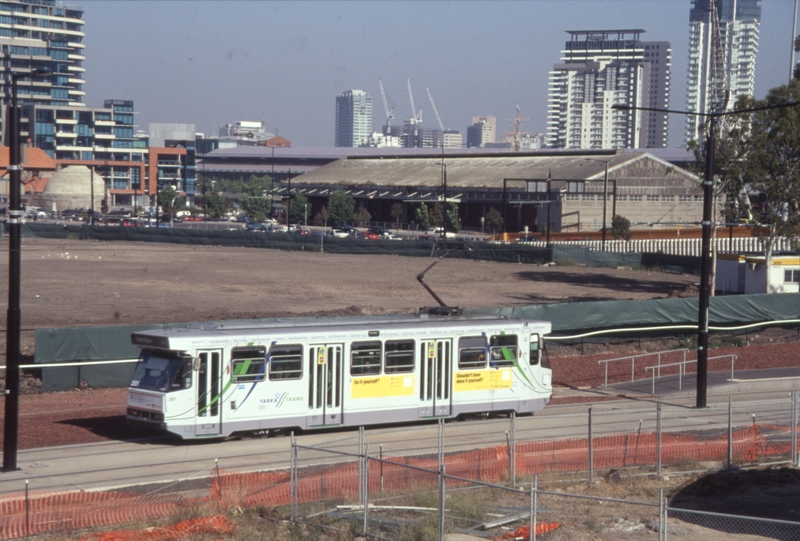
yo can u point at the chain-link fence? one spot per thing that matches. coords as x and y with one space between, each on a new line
419 483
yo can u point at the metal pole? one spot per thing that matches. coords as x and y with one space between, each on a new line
513 449
530 517
14 317
795 457
91 203
794 34
591 447
505 227
366 489
705 269
605 205
441 503
289 195
730 433
293 481
658 439
535 503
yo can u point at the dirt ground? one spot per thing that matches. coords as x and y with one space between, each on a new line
73 283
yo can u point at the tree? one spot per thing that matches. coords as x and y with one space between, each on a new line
621 228
216 204
257 208
322 217
341 206
494 220
299 208
436 215
773 165
362 217
396 212
453 219
422 216
169 200
760 154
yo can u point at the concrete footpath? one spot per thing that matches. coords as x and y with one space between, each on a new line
743 381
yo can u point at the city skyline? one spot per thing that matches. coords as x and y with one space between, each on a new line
212 62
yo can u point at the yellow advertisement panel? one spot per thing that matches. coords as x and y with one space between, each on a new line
482 380
382 386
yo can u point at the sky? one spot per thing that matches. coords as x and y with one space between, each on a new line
211 62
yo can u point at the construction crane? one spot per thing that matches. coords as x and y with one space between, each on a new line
389 113
718 95
516 134
416 117
435 110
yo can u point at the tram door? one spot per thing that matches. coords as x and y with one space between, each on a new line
209 387
436 377
325 384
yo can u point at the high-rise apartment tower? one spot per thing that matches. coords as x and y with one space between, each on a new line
601 69
41 35
738 29
353 118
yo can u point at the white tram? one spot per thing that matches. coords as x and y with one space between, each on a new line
214 379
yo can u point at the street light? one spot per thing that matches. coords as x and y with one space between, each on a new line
14 317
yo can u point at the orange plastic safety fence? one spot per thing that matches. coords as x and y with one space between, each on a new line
80 510
524 532
203 525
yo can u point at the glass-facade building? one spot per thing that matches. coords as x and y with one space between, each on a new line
353 118
738 29
602 69
41 35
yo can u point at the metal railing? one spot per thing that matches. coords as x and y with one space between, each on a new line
633 358
656 370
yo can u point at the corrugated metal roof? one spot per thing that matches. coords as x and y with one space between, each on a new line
466 171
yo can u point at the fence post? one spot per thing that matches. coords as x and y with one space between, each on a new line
533 513
381 465
730 433
662 516
441 503
361 464
440 443
591 447
293 479
366 489
658 439
27 511
512 455
795 457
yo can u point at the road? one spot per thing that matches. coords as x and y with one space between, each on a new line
122 463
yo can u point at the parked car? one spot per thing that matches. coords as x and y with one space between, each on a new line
278 229
338 233
345 227
300 230
438 232
378 230
369 235
390 236
253 226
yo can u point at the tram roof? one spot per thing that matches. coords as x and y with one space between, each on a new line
160 337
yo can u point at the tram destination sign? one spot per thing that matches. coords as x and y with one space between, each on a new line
150 341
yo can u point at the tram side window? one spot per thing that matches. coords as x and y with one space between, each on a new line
504 350
249 364
471 352
536 352
285 362
365 358
399 356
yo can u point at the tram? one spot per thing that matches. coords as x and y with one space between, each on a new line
215 379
